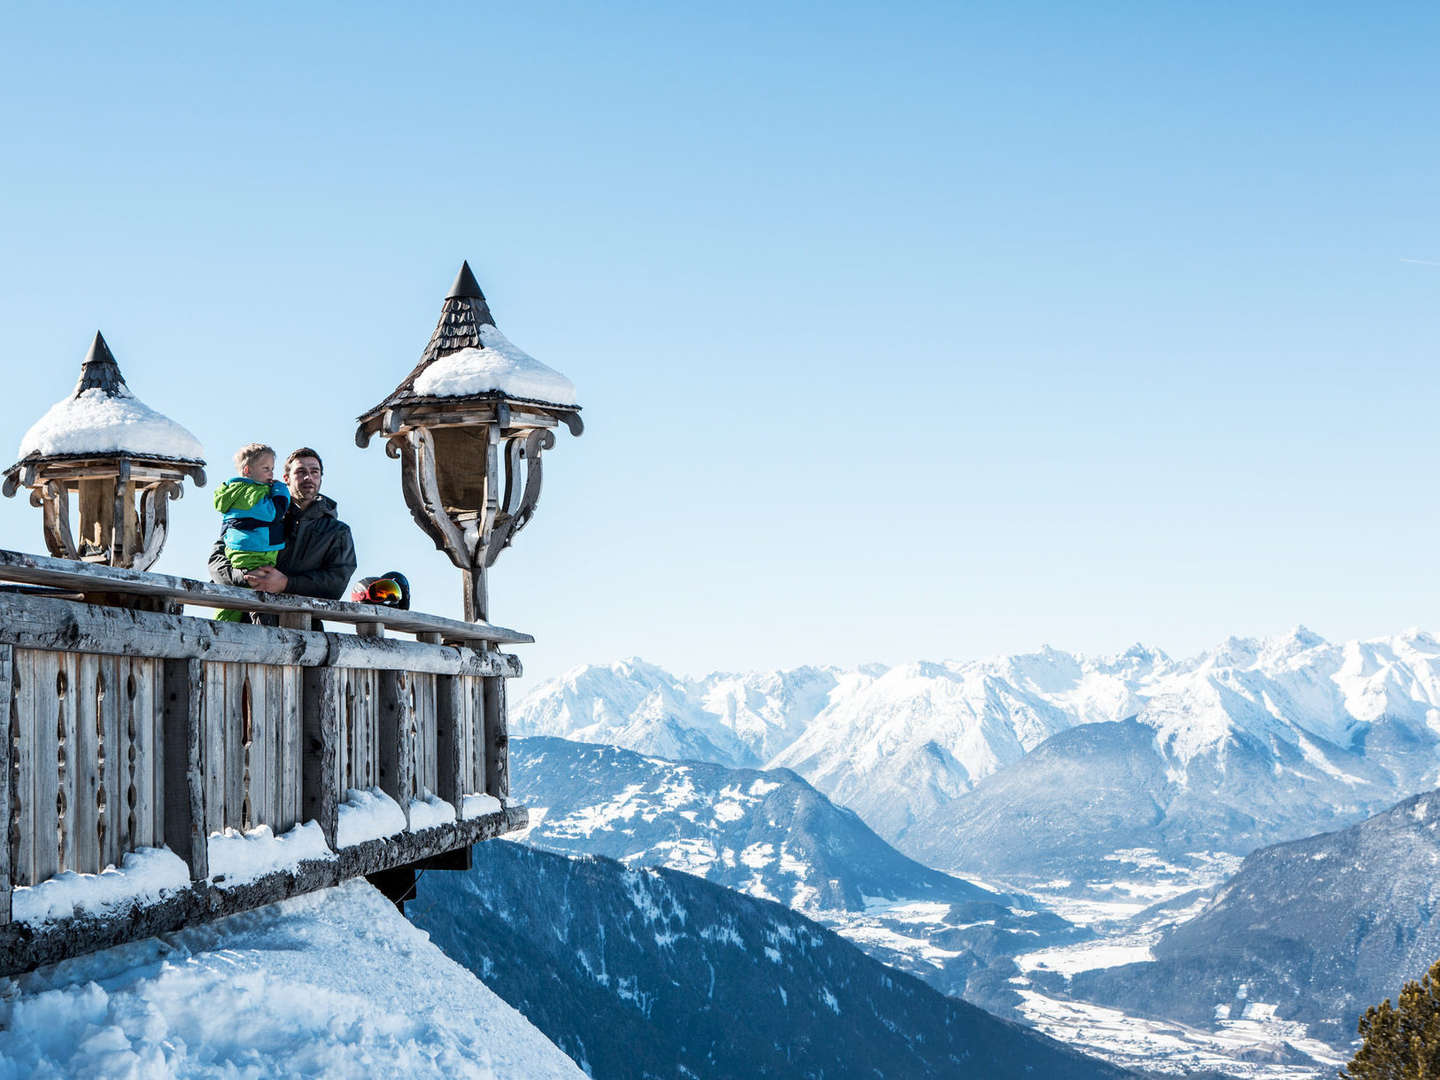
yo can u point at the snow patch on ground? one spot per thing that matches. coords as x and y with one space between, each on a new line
1090 955
1168 1048
333 984
144 876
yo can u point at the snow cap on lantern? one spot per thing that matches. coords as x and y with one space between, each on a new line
108 447
469 423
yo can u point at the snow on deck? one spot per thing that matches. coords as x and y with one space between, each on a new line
145 876
332 984
96 422
238 858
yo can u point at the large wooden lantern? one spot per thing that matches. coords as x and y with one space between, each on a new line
122 460
469 424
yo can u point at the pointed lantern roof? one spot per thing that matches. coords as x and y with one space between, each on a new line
469 359
102 417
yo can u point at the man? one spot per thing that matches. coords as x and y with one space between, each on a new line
319 554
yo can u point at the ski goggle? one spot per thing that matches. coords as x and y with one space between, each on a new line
380 591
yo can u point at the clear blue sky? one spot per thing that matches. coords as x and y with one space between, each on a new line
919 331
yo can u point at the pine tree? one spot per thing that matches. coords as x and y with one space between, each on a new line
1401 1042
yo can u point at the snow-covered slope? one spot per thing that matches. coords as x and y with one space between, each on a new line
646 974
898 746
773 836
332 984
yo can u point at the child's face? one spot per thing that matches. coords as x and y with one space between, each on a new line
262 469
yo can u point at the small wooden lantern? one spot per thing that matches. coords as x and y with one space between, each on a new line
469 424
122 460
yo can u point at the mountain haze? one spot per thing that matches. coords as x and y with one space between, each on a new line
1251 742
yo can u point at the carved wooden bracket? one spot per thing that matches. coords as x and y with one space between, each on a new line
136 545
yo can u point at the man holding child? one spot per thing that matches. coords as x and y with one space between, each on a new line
318 557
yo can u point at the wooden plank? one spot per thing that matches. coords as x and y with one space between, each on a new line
497 740
370 714
113 746
344 729
236 763
7 704
23 737
85 766
393 751
213 742
285 694
260 788
426 720
43 622
321 691
450 724
49 761
142 706
86 577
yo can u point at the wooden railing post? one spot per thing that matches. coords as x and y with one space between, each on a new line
184 683
497 739
7 670
449 761
394 750
320 730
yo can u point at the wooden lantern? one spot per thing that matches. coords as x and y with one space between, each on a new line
122 461
469 424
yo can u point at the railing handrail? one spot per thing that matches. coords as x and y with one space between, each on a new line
28 569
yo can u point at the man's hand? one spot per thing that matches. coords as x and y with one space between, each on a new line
267 579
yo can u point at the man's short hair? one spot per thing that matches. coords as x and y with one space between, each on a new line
304 451
251 453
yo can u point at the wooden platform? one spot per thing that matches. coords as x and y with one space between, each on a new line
133 729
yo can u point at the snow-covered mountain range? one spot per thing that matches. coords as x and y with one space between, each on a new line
1287 735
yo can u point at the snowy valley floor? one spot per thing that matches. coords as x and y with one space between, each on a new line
1254 1045
333 984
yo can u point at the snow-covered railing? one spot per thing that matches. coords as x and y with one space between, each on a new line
131 730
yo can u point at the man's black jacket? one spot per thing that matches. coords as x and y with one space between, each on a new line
318 558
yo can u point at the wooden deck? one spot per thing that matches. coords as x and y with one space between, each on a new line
133 729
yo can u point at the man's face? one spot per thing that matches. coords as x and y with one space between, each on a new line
302 476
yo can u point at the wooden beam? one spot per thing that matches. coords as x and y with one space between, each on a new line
86 577
184 799
450 716
319 700
394 752
7 669
497 740
45 622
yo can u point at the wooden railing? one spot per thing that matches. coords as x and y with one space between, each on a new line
131 729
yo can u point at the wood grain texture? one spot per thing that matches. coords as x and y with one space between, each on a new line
393 752
497 740
7 667
320 703
183 723
86 577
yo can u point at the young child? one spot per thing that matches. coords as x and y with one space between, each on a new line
254 505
